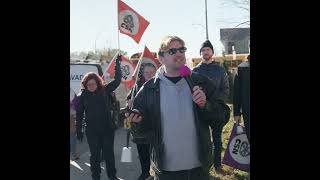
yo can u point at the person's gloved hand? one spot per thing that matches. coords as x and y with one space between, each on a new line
79 136
117 67
119 59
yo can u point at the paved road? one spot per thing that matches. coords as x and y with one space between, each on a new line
80 169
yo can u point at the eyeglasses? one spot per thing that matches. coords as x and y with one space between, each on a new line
173 51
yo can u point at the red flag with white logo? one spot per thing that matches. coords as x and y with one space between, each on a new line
130 22
146 58
127 68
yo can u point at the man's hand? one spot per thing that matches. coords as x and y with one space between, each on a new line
117 68
237 119
119 59
134 116
199 97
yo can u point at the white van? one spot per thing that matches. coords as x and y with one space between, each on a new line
78 68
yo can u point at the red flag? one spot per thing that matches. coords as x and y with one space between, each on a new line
147 57
127 68
130 22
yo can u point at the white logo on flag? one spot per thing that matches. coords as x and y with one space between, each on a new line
127 71
129 22
240 149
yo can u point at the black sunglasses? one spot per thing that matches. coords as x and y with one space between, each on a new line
175 50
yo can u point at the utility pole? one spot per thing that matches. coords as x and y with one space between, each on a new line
207 36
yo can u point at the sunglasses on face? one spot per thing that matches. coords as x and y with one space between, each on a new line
173 51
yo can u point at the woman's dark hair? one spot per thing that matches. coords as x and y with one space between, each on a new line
91 75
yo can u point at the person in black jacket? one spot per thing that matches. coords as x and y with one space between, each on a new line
148 71
219 77
241 98
175 117
94 107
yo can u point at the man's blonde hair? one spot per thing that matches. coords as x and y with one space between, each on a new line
166 41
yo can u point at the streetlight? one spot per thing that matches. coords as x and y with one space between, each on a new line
207 36
95 42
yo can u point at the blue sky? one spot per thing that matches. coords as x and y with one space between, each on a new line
92 20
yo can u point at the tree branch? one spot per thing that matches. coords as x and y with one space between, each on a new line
246 22
244 8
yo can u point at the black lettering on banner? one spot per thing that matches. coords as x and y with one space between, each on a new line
125 70
244 149
236 146
81 76
123 25
128 23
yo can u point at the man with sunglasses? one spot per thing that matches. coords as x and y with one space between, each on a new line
220 78
175 116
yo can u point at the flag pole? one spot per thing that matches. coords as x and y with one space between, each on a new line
118 26
118 39
136 78
207 36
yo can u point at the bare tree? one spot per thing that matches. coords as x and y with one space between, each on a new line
241 4
99 54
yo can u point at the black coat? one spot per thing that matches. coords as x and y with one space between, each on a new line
147 102
95 107
218 76
241 98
